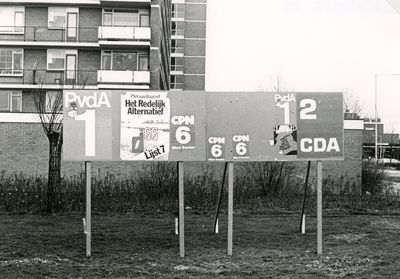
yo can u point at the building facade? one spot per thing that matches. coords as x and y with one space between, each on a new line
388 143
188 44
89 44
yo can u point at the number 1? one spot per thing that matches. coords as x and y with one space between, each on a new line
286 112
89 117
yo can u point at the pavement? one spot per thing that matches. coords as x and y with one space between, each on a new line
394 173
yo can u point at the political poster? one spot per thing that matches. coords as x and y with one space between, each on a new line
119 125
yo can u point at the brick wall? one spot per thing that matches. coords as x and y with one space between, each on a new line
195 47
194 65
28 104
89 21
194 82
23 148
90 17
30 57
351 167
36 16
196 11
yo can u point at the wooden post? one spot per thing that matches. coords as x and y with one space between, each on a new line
230 208
88 177
181 211
319 207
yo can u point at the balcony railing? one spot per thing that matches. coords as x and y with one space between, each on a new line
33 77
44 34
124 77
75 34
124 33
77 78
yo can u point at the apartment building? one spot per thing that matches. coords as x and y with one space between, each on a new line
188 44
90 44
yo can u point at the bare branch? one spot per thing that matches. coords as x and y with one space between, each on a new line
276 83
49 108
351 102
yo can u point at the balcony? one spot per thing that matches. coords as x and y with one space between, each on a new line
124 77
124 33
44 34
80 78
77 34
46 77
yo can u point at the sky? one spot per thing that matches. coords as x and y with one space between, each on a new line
314 45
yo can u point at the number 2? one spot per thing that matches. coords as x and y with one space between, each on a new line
309 106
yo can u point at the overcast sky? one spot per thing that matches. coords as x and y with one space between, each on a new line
315 45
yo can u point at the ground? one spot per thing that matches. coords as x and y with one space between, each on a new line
266 244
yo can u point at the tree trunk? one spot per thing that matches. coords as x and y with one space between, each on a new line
54 175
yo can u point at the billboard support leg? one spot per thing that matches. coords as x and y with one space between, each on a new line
219 198
88 177
181 211
319 207
230 208
305 195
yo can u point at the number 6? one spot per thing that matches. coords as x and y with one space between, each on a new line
182 135
216 150
241 148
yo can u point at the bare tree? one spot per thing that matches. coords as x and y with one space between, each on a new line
276 83
271 175
394 139
351 102
49 107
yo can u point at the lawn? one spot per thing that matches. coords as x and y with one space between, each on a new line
266 244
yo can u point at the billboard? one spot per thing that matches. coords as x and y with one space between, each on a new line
274 126
123 125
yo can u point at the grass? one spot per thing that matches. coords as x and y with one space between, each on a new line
266 244
133 229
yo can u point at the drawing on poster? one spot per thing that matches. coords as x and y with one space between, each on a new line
145 126
285 138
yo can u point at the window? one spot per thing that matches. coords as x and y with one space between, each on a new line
176 63
52 100
56 58
176 82
106 60
178 11
10 101
126 18
12 19
143 62
107 17
124 61
177 46
57 18
178 28
119 17
144 20
11 61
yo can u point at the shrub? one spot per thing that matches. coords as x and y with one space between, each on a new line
372 178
